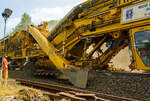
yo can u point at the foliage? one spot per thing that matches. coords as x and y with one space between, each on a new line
23 25
51 24
26 20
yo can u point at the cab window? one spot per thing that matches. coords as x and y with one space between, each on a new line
142 44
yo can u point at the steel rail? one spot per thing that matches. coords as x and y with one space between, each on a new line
77 92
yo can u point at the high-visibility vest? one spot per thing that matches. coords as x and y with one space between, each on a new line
5 68
5 63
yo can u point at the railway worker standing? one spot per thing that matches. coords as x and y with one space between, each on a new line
5 68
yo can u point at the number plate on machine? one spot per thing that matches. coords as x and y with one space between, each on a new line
136 12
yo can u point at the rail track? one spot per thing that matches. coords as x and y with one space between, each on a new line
127 85
57 91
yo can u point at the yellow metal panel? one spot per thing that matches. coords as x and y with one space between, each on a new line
48 48
124 2
116 27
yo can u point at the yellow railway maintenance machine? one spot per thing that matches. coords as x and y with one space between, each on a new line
95 23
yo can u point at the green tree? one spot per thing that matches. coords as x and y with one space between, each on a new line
52 23
23 25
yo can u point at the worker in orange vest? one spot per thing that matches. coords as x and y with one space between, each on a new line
5 70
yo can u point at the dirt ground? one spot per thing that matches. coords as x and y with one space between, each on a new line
15 92
11 89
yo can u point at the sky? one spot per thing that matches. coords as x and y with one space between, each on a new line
39 10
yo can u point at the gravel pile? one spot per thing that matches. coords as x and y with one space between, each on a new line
129 86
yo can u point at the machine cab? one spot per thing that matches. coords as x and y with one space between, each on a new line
140 43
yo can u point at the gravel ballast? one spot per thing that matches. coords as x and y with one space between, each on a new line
124 85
